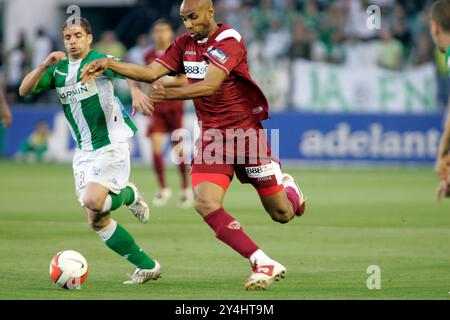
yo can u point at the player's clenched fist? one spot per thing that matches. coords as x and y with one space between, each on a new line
53 58
93 69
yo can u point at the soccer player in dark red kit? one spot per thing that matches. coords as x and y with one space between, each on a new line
213 58
167 117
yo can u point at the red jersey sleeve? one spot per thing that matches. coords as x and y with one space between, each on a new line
172 59
226 54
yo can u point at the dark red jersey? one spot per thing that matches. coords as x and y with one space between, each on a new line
160 107
239 102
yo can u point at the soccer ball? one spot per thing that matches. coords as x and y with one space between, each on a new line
68 269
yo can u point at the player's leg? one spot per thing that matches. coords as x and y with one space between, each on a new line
101 179
186 198
157 140
40 151
283 202
112 169
267 178
277 205
122 242
174 121
209 191
279 194
98 198
24 151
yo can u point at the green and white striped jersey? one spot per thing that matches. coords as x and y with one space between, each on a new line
97 118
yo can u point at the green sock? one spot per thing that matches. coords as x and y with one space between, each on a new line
126 197
123 243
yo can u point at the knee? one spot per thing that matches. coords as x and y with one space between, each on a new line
93 203
281 216
98 221
205 206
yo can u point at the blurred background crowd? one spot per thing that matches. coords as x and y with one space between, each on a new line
275 31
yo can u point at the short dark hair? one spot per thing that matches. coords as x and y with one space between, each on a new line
162 21
84 23
440 11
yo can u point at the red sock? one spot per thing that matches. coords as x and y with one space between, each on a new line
158 163
293 197
182 168
229 231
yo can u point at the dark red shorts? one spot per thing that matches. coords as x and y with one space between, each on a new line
165 121
260 169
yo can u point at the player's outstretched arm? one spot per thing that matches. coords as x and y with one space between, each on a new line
31 80
177 81
132 71
205 88
443 157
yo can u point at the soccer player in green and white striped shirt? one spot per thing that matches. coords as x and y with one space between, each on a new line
440 32
101 127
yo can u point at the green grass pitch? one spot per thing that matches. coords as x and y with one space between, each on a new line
354 219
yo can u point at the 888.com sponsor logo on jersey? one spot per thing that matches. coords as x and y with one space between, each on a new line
195 70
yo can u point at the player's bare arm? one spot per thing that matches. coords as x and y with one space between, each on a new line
149 73
31 80
443 162
170 82
205 88
5 116
140 101
444 149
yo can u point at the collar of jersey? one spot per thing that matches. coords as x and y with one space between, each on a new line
204 40
75 61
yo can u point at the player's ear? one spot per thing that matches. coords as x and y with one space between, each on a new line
90 38
211 13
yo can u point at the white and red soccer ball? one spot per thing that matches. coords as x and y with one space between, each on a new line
69 269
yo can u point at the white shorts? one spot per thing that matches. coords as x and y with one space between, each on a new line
108 166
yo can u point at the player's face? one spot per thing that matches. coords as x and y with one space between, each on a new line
197 19
162 34
76 42
436 35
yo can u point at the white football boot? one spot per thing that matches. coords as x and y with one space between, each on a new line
141 276
162 197
264 275
288 181
139 207
187 199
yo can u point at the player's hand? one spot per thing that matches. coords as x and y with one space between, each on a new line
157 92
93 69
6 117
53 58
442 167
141 102
443 189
